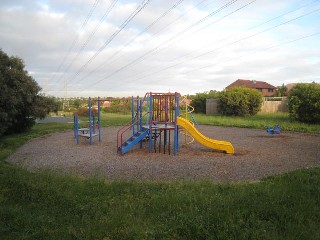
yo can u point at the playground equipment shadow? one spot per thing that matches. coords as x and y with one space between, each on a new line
257 155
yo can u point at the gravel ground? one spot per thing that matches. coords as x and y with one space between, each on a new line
257 155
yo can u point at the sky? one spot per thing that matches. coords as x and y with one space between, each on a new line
120 48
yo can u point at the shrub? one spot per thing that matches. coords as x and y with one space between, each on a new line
304 103
84 112
123 108
239 101
200 99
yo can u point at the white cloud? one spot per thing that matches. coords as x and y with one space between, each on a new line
41 32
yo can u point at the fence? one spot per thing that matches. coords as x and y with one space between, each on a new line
269 105
273 105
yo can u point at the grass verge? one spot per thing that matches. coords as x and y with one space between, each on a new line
50 206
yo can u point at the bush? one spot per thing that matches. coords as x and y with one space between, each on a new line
239 101
123 108
84 112
304 103
200 99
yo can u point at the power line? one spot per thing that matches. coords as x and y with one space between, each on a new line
255 52
93 32
142 57
171 66
258 25
134 38
90 13
123 25
229 44
265 49
74 42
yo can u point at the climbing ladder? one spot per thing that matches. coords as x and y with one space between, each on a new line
133 140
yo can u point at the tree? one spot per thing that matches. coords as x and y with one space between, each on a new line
199 100
76 103
281 91
239 101
20 101
304 103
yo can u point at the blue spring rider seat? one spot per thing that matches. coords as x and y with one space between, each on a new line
275 130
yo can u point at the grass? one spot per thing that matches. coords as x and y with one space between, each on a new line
112 119
259 121
48 205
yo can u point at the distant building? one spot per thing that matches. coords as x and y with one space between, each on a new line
266 89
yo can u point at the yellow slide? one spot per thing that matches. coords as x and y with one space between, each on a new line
208 142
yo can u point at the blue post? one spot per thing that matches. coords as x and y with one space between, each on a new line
140 114
132 114
137 113
93 123
150 123
76 127
90 122
176 130
99 119
148 112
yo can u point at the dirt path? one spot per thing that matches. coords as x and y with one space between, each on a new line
257 155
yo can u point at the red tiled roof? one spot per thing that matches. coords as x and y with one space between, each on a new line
251 84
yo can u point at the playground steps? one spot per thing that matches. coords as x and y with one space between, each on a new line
133 140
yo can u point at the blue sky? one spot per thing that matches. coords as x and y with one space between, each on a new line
197 46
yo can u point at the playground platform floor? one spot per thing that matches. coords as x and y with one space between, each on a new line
258 155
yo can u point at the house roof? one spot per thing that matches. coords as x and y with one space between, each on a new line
251 84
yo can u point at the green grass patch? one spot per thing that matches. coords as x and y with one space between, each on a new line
259 121
110 119
49 206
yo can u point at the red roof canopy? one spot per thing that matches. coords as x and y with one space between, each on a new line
251 84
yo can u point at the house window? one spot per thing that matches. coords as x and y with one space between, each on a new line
270 89
259 89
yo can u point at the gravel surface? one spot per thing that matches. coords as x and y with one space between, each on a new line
258 155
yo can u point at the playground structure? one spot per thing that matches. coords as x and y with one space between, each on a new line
93 127
155 118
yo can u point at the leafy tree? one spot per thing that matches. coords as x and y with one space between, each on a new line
239 101
20 101
304 103
199 100
76 103
43 105
282 91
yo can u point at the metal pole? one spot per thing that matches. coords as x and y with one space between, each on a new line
176 112
90 122
150 123
99 119
132 115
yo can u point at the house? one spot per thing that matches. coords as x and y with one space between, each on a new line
266 89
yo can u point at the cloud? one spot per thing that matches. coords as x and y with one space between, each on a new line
178 53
